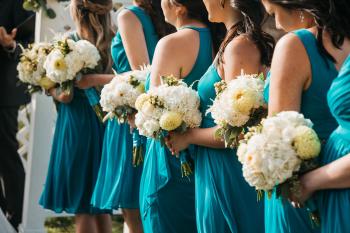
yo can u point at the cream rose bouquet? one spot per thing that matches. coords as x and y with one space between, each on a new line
275 153
238 104
68 60
118 100
172 106
31 67
119 96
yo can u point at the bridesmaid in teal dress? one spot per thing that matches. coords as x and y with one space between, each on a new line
77 143
332 180
167 200
300 78
225 203
133 46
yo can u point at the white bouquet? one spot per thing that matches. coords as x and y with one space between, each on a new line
119 96
69 58
238 104
31 67
172 106
275 153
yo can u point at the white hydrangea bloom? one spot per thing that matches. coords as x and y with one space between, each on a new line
31 66
234 105
180 100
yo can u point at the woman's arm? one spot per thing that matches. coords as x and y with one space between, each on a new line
133 38
93 80
335 175
61 96
240 54
290 75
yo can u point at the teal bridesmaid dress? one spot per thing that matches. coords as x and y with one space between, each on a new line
167 200
280 216
334 205
75 158
118 180
225 202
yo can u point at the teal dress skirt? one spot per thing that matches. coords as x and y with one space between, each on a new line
167 200
225 202
334 205
118 180
280 216
75 158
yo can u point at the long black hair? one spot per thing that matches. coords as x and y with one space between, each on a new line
331 16
253 17
196 10
154 10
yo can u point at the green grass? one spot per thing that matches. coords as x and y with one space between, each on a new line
66 225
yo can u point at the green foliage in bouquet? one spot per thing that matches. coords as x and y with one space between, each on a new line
35 5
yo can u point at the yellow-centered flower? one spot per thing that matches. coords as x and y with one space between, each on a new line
170 121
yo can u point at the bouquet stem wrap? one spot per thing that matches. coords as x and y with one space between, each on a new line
94 100
139 143
186 165
313 213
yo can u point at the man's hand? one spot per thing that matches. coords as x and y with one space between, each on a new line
7 41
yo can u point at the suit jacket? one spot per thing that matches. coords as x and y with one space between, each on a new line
12 93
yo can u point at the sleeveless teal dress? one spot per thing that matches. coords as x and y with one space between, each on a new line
225 202
118 180
334 205
167 201
280 216
75 158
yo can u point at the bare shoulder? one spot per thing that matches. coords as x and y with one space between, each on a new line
242 47
127 18
172 44
290 45
290 60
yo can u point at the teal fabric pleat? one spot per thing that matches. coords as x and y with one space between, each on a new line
280 216
118 180
167 202
225 202
75 158
334 205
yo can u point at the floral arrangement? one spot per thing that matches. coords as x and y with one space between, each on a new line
119 96
118 99
172 106
68 58
238 104
31 67
275 153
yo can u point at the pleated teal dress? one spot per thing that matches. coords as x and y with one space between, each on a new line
334 205
167 200
280 216
225 202
118 180
75 158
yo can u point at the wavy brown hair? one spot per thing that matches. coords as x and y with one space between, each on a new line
93 21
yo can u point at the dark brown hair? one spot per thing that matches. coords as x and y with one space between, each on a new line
196 10
330 15
253 16
154 10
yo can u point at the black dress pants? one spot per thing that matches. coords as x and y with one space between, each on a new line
11 167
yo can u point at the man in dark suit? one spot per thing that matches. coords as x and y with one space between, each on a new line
12 96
